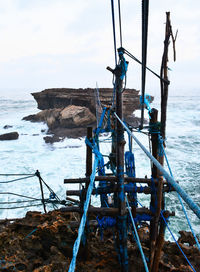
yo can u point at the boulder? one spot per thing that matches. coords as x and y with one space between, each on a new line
69 117
186 237
9 136
76 116
7 126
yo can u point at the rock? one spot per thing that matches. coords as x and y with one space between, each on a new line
63 97
64 109
65 122
9 136
186 237
49 247
76 116
52 139
7 126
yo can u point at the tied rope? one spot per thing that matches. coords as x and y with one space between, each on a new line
84 217
137 237
177 242
184 210
193 206
165 221
10 181
150 70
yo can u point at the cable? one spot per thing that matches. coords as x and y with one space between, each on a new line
150 70
8 193
120 24
136 236
145 11
4 182
114 35
17 175
181 202
20 201
177 242
194 207
13 208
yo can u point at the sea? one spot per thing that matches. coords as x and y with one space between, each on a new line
66 159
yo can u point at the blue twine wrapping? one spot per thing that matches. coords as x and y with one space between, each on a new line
130 164
123 65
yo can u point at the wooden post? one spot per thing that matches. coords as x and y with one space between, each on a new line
164 98
83 197
41 188
88 156
122 222
153 227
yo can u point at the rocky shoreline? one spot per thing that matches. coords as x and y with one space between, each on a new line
44 242
67 112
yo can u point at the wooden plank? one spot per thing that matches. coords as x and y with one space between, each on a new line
104 211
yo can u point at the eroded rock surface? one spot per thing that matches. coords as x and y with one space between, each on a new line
68 112
44 242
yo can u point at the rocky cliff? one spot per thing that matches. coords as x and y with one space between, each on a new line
44 242
60 98
68 112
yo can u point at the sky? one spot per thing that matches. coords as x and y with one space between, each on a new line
69 43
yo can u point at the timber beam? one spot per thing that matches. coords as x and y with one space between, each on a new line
111 179
114 189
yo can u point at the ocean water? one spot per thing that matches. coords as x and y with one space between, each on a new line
66 159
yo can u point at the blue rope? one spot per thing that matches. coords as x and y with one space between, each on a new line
193 206
31 233
137 237
123 64
172 236
84 217
130 164
177 242
183 207
147 101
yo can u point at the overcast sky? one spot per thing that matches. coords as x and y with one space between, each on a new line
69 43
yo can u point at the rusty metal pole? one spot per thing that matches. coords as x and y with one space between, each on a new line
122 220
